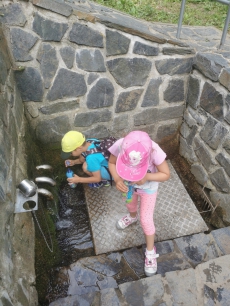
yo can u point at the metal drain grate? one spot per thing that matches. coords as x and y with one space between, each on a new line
175 216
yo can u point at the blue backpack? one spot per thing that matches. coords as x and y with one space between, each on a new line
101 146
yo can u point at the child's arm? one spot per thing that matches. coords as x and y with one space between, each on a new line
117 179
162 175
95 178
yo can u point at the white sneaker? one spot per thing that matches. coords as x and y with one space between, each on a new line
151 263
126 221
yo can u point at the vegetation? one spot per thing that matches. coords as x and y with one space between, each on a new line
197 12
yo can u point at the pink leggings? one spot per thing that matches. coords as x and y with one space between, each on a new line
146 210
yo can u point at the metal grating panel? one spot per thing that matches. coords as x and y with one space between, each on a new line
175 216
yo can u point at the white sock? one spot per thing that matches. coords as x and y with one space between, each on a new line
150 252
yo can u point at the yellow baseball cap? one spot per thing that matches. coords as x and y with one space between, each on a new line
70 142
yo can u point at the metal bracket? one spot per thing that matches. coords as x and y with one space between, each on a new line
21 200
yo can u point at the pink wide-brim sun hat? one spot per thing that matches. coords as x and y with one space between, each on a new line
133 160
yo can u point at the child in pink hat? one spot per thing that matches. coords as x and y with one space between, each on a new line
138 159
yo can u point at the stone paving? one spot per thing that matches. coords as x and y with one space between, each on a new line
192 270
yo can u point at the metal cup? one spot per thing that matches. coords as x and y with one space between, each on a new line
27 188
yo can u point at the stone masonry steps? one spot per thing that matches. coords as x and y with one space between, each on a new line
192 270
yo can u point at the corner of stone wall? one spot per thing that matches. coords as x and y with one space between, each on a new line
17 275
205 140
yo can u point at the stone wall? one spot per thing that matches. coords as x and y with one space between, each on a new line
205 132
17 276
88 74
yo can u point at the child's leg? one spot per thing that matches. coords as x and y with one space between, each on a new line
132 206
146 217
132 216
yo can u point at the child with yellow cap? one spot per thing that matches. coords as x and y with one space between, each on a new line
94 165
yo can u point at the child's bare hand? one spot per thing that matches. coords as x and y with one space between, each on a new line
121 186
69 162
75 179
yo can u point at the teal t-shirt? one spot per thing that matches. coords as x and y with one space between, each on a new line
95 161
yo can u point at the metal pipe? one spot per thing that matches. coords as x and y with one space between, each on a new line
180 18
44 179
225 30
46 193
46 167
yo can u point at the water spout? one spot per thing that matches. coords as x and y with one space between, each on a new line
46 193
46 167
44 179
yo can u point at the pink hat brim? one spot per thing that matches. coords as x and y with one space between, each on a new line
129 173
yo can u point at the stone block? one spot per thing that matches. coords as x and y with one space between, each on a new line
22 42
197 248
191 135
169 129
174 91
3 67
83 35
224 161
120 123
18 109
90 60
182 287
99 131
220 180
151 97
201 176
56 108
189 119
224 78
174 50
130 72
214 273
143 49
67 84
185 130
68 56
135 260
130 25
197 116
84 299
48 29
193 92
47 57
52 130
226 144
30 84
222 239
54 6
210 64
89 118
142 292
212 101
109 297
168 113
204 155
147 116
128 100
101 94
213 132
13 15
173 66
116 43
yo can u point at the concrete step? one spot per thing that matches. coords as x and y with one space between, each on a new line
175 216
192 270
